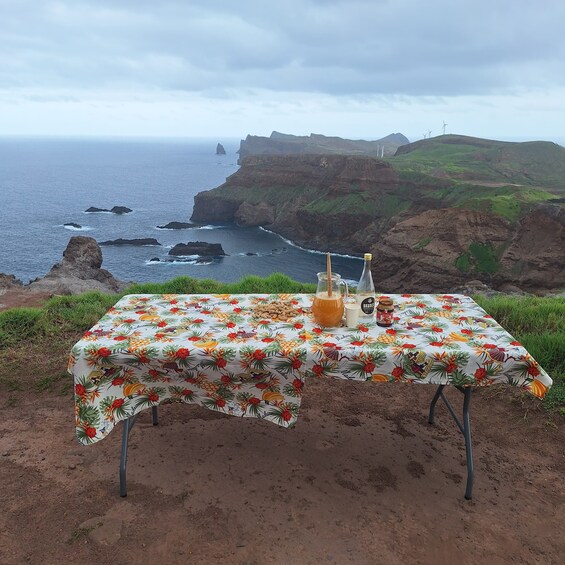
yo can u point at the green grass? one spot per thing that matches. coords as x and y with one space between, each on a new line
463 262
480 258
539 324
62 315
534 164
277 282
354 203
393 204
527 314
485 258
20 323
422 243
509 202
49 332
360 203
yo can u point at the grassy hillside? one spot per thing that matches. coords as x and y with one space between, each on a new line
35 342
538 164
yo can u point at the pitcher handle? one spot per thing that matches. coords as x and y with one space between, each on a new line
344 294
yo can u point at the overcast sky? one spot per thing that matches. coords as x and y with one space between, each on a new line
354 68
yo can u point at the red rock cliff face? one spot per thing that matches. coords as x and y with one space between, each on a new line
353 204
421 252
311 199
536 255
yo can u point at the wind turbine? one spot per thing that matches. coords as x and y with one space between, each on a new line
444 124
424 136
429 133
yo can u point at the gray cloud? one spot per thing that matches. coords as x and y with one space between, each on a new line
354 47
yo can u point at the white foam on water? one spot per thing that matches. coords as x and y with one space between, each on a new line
314 251
208 227
179 262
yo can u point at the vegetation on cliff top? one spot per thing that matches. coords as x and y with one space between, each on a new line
533 163
502 178
35 342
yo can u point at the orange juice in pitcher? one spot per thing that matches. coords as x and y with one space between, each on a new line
327 308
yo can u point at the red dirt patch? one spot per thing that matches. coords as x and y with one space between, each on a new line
207 488
14 298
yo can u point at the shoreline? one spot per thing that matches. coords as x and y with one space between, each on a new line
10 283
315 251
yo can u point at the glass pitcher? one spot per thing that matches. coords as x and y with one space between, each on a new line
328 310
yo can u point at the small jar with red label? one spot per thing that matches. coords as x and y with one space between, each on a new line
385 312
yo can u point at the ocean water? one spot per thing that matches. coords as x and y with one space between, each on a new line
45 183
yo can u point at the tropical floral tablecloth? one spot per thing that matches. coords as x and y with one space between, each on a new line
212 351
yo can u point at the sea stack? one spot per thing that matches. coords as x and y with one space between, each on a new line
79 271
220 149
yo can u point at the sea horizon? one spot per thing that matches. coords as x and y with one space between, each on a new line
560 140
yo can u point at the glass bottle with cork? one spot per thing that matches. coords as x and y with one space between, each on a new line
365 296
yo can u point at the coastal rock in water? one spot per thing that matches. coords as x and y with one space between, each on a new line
8 282
252 215
73 225
79 271
200 248
220 149
95 209
142 241
176 226
115 210
121 210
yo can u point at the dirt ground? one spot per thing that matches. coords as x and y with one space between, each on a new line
361 479
12 298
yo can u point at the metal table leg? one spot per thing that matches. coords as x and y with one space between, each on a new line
128 425
464 428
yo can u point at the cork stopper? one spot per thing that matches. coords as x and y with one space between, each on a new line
368 256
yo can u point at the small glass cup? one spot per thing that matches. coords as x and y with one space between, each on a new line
352 311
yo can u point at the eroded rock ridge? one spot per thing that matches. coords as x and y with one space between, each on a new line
428 232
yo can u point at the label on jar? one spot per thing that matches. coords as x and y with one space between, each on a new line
385 317
368 305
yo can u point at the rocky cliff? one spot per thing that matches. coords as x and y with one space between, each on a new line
79 271
316 144
428 232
